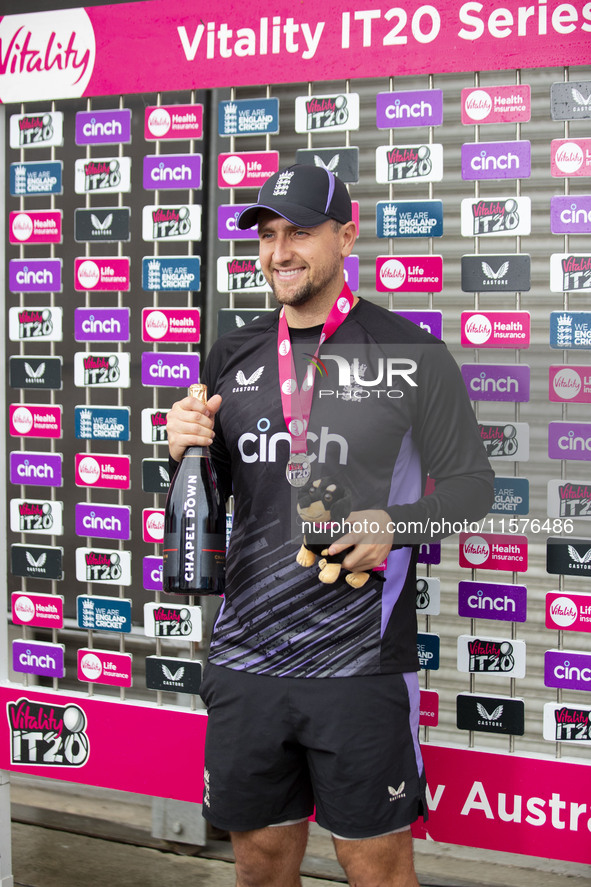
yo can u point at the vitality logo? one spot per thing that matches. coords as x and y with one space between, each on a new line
46 735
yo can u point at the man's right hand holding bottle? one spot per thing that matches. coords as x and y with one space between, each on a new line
190 424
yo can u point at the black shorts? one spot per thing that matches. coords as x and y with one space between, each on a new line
277 747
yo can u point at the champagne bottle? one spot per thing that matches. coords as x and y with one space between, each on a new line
194 524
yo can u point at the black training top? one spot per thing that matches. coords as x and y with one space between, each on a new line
389 407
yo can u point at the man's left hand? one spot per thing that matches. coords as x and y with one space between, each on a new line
370 537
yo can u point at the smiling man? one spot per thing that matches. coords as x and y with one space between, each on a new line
311 686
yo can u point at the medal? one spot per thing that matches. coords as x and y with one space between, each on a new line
297 470
297 403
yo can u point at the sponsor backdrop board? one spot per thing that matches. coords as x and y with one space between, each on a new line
88 262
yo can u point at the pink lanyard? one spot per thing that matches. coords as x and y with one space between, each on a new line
297 403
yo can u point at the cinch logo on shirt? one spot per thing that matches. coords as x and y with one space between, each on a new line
263 447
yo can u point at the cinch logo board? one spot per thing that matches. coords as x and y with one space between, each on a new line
168 620
496 104
431 321
42 130
496 217
570 214
173 122
327 113
35 324
567 611
569 498
569 440
107 175
107 472
102 369
249 169
103 521
170 324
491 600
419 107
103 613
248 117
570 157
103 565
165 171
35 420
34 657
570 330
504 382
35 275
493 551
38 177
44 226
570 273
409 274
103 127
152 573
567 669
104 667
495 329
172 273
36 469
102 275
169 369
171 222
101 423
101 324
497 657
570 383
496 160
511 495
409 163
37 516
228 229
409 218
37 610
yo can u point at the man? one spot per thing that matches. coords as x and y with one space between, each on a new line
311 687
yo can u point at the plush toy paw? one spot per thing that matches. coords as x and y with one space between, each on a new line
357 580
305 557
329 572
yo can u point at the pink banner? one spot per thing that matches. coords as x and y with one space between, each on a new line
539 807
169 45
515 804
